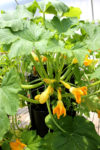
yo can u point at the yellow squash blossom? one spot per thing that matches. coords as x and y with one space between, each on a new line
87 61
35 56
89 50
78 92
44 59
59 110
74 61
65 84
45 95
49 81
17 145
37 97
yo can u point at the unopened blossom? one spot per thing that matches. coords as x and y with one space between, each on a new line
74 61
65 84
35 56
45 95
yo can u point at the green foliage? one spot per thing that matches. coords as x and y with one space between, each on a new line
15 20
77 136
55 43
32 141
60 25
53 7
9 99
73 12
4 124
95 74
9 38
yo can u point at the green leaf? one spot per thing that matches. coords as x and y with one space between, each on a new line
54 46
53 7
32 7
36 145
4 123
80 54
20 47
95 74
91 103
28 137
80 134
7 37
6 146
60 26
73 12
15 19
9 100
32 141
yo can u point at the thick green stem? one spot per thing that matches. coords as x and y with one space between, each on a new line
54 121
93 84
32 86
24 98
66 73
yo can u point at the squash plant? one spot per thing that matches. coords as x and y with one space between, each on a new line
54 50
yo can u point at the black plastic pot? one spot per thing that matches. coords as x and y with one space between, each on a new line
38 112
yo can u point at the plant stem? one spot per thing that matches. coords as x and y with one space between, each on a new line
27 99
44 19
66 73
16 123
13 125
31 86
54 121
93 84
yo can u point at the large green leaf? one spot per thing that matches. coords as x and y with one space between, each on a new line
7 37
20 47
92 31
9 100
4 123
34 36
53 7
80 54
61 26
52 46
15 19
95 74
80 135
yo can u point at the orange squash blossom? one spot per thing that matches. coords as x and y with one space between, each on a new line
17 145
59 110
78 92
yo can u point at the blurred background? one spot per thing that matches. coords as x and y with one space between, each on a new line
90 8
